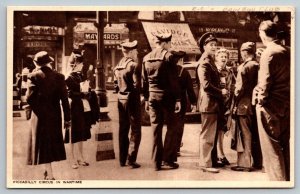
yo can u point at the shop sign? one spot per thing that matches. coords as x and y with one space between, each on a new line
39 44
90 36
43 30
182 37
217 30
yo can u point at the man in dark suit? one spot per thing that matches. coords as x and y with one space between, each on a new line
272 99
127 83
211 96
162 98
245 82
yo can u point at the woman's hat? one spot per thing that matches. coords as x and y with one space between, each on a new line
42 58
129 45
206 38
248 46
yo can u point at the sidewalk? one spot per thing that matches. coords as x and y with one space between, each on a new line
110 169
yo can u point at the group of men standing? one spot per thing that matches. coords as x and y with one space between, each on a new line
265 85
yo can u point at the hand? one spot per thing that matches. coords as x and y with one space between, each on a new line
147 106
177 107
67 124
224 92
193 108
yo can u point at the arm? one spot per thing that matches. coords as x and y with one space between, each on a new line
264 78
116 86
136 76
190 88
205 80
64 99
145 82
240 83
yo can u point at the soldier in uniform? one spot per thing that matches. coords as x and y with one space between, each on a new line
127 84
272 99
211 97
162 99
246 81
187 91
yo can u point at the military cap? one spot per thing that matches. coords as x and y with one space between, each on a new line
205 38
165 37
178 54
42 58
248 46
129 45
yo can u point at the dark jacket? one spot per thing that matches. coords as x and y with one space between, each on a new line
159 74
245 82
127 76
46 90
186 88
273 87
210 94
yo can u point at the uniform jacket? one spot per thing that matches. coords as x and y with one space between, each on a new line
127 76
245 82
210 89
159 74
273 87
186 88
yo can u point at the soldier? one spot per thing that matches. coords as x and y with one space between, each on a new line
187 90
162 98
127 83
211 97
246 81
272 99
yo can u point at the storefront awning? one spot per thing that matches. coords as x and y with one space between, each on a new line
182 37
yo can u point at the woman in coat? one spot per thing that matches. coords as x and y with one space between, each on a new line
84 112
46 89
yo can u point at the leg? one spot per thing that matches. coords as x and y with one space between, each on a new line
273 156
124 126
245 158
170 149
207 138
220 144
48 175
180 129
135 136
156 119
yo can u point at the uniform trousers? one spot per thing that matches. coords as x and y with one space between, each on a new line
161 108
207 138
274 134
129 116
244 159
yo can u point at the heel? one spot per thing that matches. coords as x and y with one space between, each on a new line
45 175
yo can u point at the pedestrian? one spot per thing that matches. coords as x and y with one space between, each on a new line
211 97
245 83
227 81
272 99
187 91
127 79
161 91
46 89
84 113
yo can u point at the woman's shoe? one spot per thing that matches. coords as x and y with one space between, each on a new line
224 161
46 176
83 163
75 166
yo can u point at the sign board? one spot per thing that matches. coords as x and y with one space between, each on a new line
182 37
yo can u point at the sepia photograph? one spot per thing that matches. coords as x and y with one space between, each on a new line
150 97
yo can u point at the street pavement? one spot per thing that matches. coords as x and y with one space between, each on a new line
110 169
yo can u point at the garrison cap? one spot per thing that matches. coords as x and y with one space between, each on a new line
248 46
205 38
165 37
129 45
42 58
